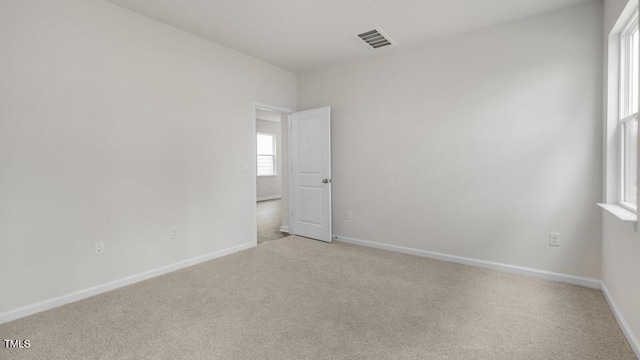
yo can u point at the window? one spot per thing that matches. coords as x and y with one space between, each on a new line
628 114
266 160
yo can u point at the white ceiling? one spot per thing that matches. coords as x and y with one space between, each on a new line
301 35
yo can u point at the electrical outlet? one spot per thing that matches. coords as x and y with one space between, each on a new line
554 239
174 233
347 214
99 247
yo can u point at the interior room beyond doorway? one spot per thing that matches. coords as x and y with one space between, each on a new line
270 167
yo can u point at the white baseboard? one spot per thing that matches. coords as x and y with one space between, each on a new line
271 197
511 269
83 294
284 229
633 341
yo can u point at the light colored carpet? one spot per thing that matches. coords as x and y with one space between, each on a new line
268 215
301 299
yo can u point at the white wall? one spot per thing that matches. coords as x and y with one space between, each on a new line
476 146
620 244
270 187
114 128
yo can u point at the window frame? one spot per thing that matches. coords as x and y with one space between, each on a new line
274 150
624 106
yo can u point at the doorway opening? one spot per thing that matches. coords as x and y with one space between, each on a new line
271 159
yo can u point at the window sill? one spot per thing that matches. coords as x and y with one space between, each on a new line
629 218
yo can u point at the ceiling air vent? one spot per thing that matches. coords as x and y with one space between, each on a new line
374 39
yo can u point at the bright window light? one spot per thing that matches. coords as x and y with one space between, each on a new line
266 152
628 114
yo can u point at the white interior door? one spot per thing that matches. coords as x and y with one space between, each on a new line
310 182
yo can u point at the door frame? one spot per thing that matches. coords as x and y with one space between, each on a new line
283 110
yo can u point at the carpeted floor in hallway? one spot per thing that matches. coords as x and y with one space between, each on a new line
268 215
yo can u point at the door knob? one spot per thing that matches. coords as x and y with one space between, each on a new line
326 181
